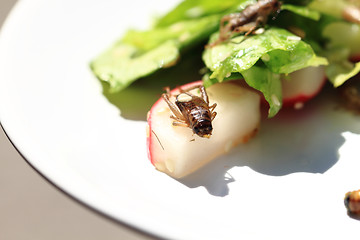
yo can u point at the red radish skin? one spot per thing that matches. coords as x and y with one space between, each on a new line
178 152
355 58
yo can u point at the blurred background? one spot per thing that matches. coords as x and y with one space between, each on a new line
32 208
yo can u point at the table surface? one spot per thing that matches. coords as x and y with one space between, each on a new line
32 208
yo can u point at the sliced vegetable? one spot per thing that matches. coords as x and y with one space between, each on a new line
301 86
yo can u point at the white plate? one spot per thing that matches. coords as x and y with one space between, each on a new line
289 181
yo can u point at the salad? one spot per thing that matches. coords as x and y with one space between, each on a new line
274 56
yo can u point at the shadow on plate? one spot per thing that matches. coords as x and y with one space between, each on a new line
294 141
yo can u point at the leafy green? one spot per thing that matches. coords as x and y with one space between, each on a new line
140 53
280 51
267 82
340 69
190 9
302 11
297 2
308 29
184 32
343 42
343 34
339 72
305 33
120 68
241 53
330 37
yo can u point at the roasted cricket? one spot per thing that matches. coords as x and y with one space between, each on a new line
248 20
192 111
352 202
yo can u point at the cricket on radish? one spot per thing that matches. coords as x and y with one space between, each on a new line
178 151
195 111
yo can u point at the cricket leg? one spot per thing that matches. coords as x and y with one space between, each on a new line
173 108
181 124
212 107
213 115
248 28
204 94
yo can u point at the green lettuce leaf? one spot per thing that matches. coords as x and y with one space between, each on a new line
276 50
261 79
343 34
119 66
267 82
260 58
340 69
190 9
331 37
340 72
280 50
343 42
141 53
185 32
302 11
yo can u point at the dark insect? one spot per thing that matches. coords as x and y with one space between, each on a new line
248 20
352 202
192 111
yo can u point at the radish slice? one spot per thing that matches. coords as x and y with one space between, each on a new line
178 152
302 86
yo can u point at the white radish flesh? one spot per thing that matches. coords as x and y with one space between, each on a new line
302 85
